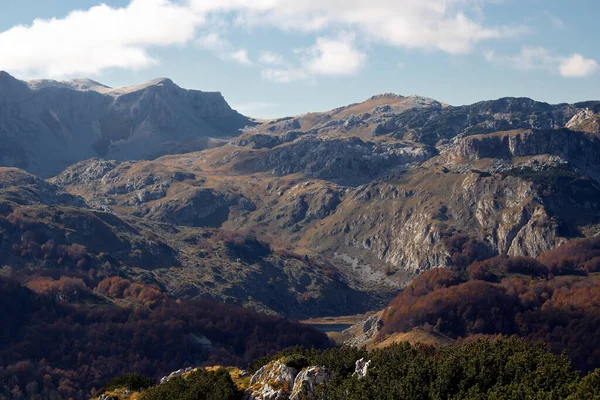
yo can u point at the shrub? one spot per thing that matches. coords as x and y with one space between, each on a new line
135 382
297 361
464 250
482 369
244 245
506 265
199 385
572 255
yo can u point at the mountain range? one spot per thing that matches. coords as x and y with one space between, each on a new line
145 199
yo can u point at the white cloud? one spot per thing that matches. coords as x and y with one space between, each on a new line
555 20
87 42
576 66
259 109
334 57
213 41
216 43
327 57
529 58
539 58
90 41
270 58
445 25
283 75
240 56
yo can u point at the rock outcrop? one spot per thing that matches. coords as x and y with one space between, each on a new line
350 161
585 120
19 186
364 331
273 381
362 368
175 374
200 207
578 148
307 380
276 381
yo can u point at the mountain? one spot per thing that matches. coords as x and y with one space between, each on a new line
46 125
334 212
45 230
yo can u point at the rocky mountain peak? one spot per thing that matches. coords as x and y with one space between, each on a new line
10 86
161 81
152 83
5 76
62 123
79 84
386 96
86 84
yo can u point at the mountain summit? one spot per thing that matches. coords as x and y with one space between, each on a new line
48 125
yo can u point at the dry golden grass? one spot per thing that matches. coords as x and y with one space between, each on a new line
341 320
417 335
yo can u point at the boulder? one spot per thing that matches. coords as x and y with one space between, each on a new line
364 331
307 381
273 381
361 368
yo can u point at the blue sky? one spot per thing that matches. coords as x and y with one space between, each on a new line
274 58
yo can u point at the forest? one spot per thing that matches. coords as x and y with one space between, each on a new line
52 349
554 299
67 331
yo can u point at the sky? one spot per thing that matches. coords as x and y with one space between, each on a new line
273 58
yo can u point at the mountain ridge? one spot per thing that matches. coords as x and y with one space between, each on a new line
48 125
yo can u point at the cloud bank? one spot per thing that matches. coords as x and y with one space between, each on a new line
87 42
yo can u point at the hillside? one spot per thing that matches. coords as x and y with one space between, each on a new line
45 125
44 230
553 299
70 338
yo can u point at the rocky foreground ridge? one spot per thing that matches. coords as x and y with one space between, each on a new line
277 380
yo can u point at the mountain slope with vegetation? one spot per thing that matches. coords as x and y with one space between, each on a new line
553 299
376 208
69 339
328 215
